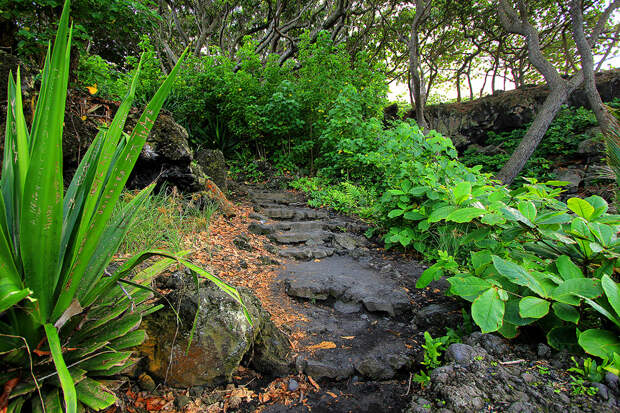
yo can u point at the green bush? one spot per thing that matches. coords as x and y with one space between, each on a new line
66 322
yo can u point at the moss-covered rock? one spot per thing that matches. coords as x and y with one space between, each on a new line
214 165
222 339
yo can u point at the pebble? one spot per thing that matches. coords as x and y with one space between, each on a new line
293 385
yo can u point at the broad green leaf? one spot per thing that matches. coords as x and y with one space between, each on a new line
468 287
604 309
465 214
581 207
533 307
528 210
599 204
572 290
432 273
566 312
516 274
413 215
563 338
395 213
605 234
512 214
131 339
461 192
508 330
612 292
567 269
600 343
440 213
105 360
488 311
511 314
9 295
68 389
553 217
94 394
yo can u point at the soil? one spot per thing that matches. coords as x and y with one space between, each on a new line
356 325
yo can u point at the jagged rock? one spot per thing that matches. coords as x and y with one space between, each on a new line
214 166
571 175
306 253
222 339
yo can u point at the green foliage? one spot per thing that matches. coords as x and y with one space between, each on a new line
560 143
344 197
589 370
433 350
163 221
65 322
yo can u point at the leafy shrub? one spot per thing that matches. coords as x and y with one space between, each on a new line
344 197
64 321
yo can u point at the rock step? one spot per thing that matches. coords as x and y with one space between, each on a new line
364 345
306 253
263 228
277 198
288 237
295 214
345 279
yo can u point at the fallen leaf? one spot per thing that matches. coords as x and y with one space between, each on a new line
348 337
323 345
332 394
92 89
314 384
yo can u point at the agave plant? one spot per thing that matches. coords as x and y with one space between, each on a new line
66 323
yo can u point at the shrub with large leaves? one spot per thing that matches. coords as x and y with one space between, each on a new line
65 321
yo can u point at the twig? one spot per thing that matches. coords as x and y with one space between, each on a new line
409 385
506 363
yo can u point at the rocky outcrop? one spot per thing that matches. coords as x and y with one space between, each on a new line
468 123
222 339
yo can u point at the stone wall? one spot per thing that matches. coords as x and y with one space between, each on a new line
468 122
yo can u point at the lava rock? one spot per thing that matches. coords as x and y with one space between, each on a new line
213 164
242 242
223 337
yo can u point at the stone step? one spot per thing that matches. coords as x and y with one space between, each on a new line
372 347
307 252
277 198
263 228
345 279
295 214
289 237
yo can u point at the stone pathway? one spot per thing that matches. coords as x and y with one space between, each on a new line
356 305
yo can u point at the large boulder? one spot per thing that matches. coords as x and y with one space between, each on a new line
222 339
213 164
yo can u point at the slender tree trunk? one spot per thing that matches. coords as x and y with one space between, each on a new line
534 135
415 68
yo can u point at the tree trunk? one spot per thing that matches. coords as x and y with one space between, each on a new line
534 135
415 68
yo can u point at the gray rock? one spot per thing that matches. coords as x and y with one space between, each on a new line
611 380
260 228
306 253
292 385
433 315
603 391
299 237
463 354
345 241
222 338
242 242
544 350
345 279
528 378
442 374
331 368
571 175
213 164
347 307
374 368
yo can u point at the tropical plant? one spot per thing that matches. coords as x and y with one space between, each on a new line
65 320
